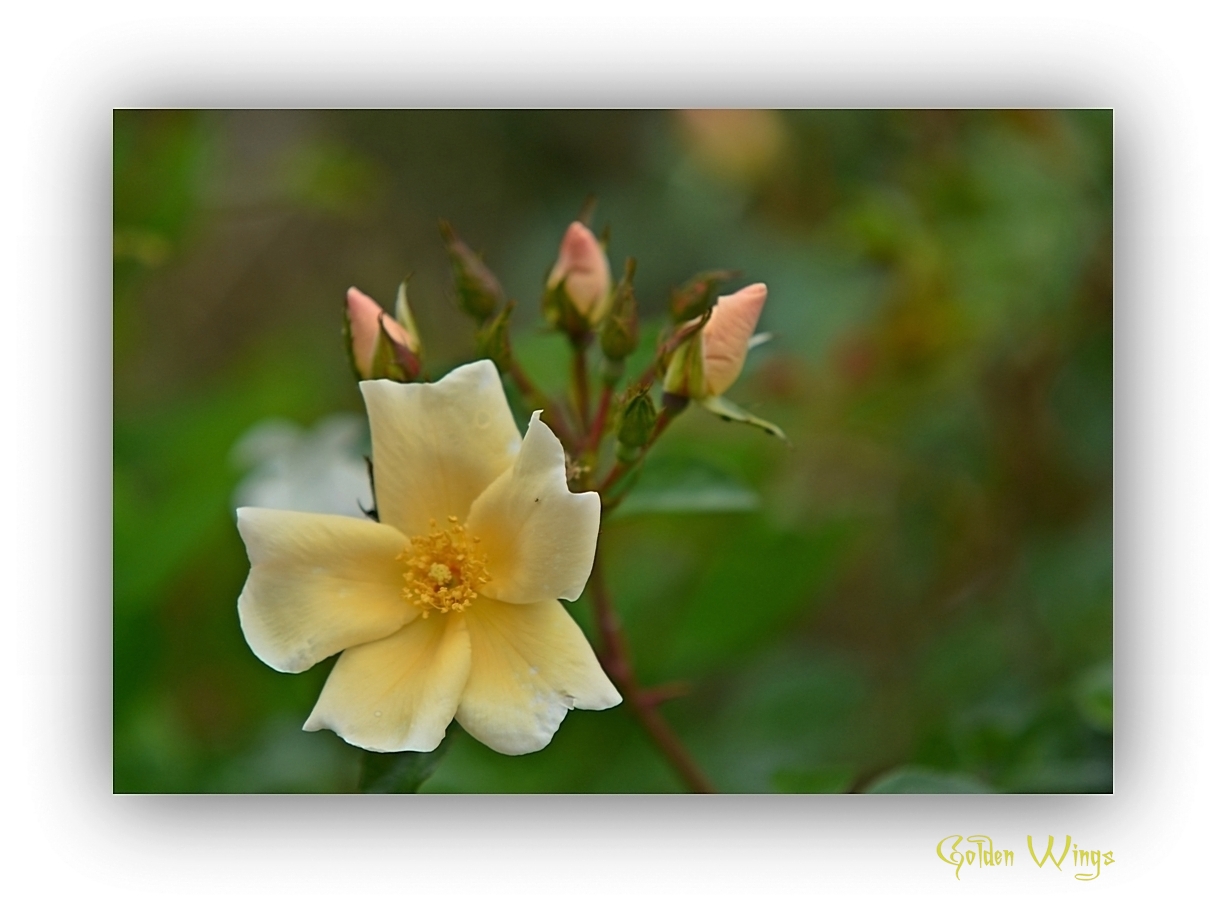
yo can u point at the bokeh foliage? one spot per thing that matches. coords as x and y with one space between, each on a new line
922 597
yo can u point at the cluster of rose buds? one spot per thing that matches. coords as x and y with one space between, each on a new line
698 358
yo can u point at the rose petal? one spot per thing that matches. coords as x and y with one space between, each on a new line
438 445
725 337
539 538
399 693
318 584
531 664
364 315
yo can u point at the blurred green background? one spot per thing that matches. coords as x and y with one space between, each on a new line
915 596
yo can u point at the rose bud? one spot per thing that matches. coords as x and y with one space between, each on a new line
477 288
582 270
382 348
707 363
619 334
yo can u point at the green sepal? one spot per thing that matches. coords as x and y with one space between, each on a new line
627 454
637 418
393 361
730 412
587 210
562 314
619 333
404 314
494 339
684 374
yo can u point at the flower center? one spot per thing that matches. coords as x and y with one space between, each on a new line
443 569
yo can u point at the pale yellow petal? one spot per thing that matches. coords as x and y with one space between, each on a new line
539 538
399 693
438 445
530 665
318 584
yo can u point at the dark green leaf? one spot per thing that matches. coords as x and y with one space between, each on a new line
1094 697
730 411
685 486
835 779
919 780
399 773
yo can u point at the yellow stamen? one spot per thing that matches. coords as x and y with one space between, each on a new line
444 570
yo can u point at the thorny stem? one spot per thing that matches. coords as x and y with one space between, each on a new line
644 703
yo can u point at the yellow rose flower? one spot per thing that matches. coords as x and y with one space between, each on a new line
447 607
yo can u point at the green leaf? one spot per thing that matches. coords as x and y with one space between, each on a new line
752 587
1094 697
832 779
399 773
730 412
686 486
919 780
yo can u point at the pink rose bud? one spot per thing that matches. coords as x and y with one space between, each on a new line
584 268
707 363
365 317
725 337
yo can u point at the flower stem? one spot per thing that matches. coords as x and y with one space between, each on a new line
580 377
644 703
648 376
621 469
602 416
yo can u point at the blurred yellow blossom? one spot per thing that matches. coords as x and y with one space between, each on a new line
738 145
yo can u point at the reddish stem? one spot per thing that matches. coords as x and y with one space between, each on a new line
619 470
662 693
648 377
644 704
602 417
580 378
